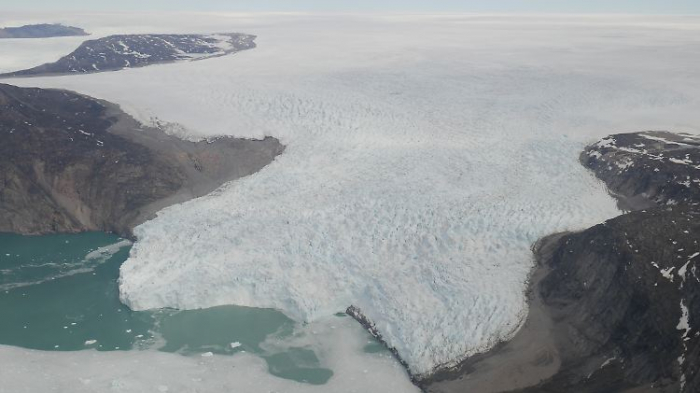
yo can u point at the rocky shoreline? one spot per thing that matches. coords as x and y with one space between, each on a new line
613 308
71 163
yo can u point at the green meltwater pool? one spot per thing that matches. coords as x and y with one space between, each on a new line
59 293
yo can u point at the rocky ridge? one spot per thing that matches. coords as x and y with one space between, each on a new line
43 30
139 50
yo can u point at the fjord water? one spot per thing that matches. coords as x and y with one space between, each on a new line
59 293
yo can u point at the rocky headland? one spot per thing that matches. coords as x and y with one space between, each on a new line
71 163
43 30
616 307
139 50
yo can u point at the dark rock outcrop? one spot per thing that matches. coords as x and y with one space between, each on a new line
41 31
625 300
70 163
139 50
615 308
648 168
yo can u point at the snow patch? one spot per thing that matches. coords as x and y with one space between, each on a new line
664 140
667 273
595 154
625 163
608 361
683 324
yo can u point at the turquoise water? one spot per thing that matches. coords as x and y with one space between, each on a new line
59 293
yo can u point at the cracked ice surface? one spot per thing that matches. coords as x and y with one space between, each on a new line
425 155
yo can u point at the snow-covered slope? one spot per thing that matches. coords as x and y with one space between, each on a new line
425 155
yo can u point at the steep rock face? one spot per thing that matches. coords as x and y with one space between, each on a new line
69 163
43 30
61 171
625 298
139 50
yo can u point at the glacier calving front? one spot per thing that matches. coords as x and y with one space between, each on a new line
424 156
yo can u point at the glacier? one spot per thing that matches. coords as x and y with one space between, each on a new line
425 154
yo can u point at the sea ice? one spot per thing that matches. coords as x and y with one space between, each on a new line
142 371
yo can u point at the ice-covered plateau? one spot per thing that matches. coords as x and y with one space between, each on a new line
424 156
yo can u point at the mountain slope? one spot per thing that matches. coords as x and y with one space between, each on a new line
70 163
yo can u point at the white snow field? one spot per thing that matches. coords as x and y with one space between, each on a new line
29 52
425 154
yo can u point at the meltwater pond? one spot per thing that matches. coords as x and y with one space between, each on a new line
59 293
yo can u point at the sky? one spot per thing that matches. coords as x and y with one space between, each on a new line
506 6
